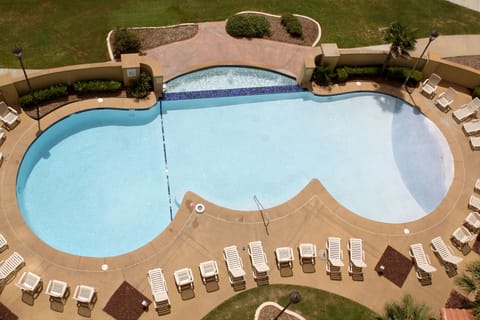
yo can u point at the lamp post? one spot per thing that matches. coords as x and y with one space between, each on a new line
293 298
18 52
433 36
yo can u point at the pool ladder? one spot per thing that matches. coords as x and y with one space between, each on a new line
263 213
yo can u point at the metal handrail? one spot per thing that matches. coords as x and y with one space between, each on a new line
261 209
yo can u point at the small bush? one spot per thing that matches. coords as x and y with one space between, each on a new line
96 86
323 76
476 92
292 25
363 71
42 95
125 41
140 86
342 74
401 73
249 26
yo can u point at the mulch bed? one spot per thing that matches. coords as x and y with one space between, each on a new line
457 301
6 314
269 312
397 266
126 303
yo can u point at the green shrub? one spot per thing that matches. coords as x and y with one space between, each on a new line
342 74
401 73
42 95
292 25
96 86
323 76
476 92
249 26
363 71
125 41
140 86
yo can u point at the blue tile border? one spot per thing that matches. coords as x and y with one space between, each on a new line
230 92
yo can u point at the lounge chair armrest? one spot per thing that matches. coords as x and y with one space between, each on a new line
428 259
341 254
12 110
424 82
433 248
411 254
314 250
265 257
363 255
440 95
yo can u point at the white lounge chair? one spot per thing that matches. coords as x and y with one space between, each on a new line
475 143
472 127
57 291
476 187
284 257
467 110
461 237
234 263
183 279
10 267
3 243
334 251
8 115
474 202
85 296
443 252
357 255
209 271
431 84
259 261
423 266
307 253
445 99
472 221
29 282
159 289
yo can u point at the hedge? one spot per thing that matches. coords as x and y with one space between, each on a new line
41 95
323 76
249 26
96 86
476 92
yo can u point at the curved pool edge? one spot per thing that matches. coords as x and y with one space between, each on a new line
199 237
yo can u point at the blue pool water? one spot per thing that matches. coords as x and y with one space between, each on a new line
98 177
227 78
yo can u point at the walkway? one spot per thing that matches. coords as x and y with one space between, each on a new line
311 216
213 46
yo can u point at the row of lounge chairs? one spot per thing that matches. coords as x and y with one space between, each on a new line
465 112
423 266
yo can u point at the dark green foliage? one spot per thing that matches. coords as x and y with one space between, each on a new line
249 26
323 76
476 92
292 25
96 86
401 73
402 40
363 71
41 95
342 74
140 86
125 42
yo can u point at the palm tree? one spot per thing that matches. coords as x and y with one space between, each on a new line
401 38
405 309
469 282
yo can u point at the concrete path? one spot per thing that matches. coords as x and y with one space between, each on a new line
451 46
213 46
470 4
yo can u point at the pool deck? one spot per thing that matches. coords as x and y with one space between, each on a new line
311 216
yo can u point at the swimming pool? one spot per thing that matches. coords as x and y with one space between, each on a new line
101 175
230 77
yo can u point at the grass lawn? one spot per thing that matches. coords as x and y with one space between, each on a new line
315 304
63 32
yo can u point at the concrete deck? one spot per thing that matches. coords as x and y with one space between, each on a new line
311 216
